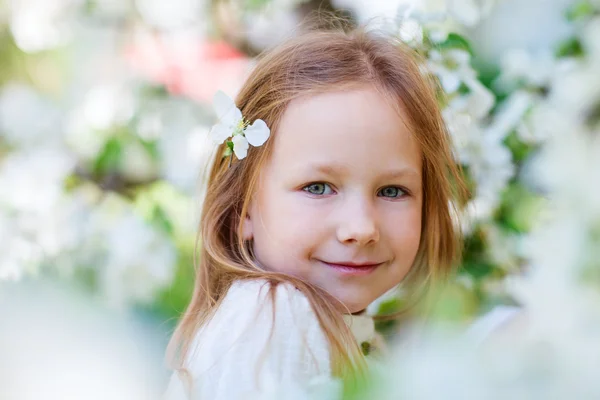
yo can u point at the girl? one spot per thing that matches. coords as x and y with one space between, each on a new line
344 194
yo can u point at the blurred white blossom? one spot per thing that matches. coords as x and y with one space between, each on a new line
183 142
366 11
41 24
32 180
16 252
27 118
318 388
503 247
470 12
172 14
591 40
512 115
553 352
185 158
535 26
46 226
136 163
452 68
479 143
114 9
268 27
106 105
132 259
533 69
56 344
89 124
40 221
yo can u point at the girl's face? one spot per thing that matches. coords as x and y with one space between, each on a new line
339 202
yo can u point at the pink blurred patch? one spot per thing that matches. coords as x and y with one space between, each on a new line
189 66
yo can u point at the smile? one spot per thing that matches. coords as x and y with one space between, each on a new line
353 269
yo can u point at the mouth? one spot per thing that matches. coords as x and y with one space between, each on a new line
348 268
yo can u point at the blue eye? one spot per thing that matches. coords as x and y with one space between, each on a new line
392 192
318 189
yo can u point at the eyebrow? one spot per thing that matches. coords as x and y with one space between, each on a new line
339 169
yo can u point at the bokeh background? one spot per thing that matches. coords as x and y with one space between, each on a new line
105 109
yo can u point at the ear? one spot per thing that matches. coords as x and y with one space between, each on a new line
248 227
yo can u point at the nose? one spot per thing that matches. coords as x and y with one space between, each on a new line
358 223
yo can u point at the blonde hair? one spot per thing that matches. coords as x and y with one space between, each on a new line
317 62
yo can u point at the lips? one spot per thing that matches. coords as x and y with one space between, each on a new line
354 265
352 268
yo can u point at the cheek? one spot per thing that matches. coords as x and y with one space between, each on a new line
288 231
289 216
404 231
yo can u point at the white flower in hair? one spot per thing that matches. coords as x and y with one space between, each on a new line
233 125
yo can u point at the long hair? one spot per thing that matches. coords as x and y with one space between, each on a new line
312 63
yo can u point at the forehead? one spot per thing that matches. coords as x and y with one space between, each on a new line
358 129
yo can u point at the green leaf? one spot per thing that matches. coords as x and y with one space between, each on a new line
456 41
455 303
570 48
463 89
362 387
109 157
520 150
71 182
390 306
593 115
475 262
366 348
154 91
161 219
256 4
171 302
478 270
580 10
151 146
89 6
520 208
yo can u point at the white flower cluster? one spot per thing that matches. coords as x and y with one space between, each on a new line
552 349
33 209
232 125
48 229
477 137
60 345
63 155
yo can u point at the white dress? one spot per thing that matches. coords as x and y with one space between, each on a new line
252 350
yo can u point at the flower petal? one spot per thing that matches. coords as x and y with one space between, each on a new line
222 103
481 99
361 326
467 12
450 80
240 146
257 133
220 132
225 109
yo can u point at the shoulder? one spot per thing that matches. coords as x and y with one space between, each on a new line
264 307
261 305
258 293
259 334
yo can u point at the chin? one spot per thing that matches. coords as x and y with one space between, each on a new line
354 306
351 300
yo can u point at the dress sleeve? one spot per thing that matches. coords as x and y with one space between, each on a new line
255 346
